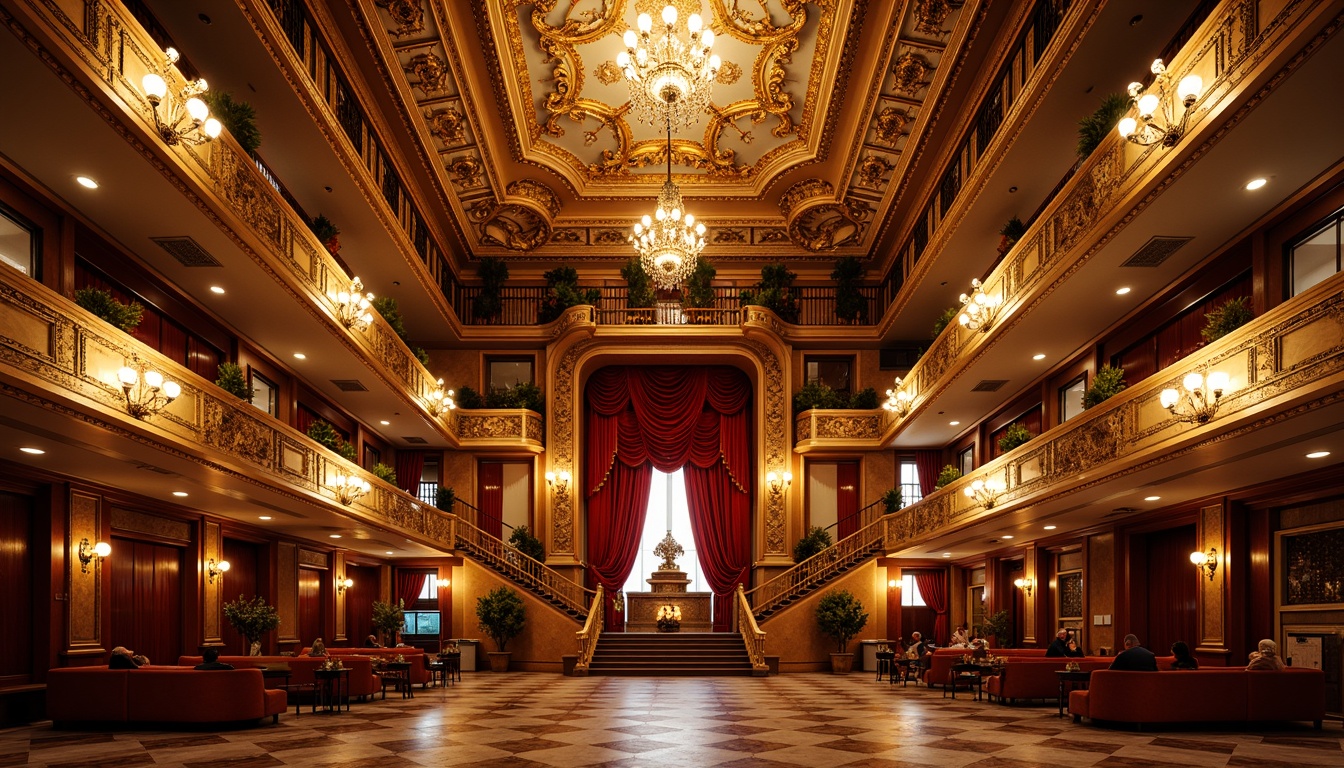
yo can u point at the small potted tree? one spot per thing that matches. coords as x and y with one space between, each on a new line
892 501
388 619
500 613
814 542
840 616
252 619
999 627
233 380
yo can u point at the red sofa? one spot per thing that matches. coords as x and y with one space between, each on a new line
159 695
362 680
1035 678
416 657
940 666
1205 695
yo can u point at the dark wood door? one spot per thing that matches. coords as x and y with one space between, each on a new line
16 589
146 590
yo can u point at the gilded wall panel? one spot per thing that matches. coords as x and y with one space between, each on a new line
287 591
140 522
1213 618
1324 334
84 603
21 328
212 549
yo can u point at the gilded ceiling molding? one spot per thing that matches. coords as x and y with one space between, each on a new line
408 15
930 16
816 221
761 30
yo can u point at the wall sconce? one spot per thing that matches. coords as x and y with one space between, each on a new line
146 391
441 400
89 551
562 479
1163 129
1023 584
442 583
1207 561
778 483
186 116
986 492
344 584
898 400
214 569
892 583
979 308
1199 402
352 307
350 488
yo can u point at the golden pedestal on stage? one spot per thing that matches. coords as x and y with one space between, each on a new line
667 586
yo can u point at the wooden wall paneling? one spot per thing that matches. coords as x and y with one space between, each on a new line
1259 605
895 629
287 591
211 619
1211 609
338 615
310 605
241 581
18 660
1033 615
385 583
359 602
84 618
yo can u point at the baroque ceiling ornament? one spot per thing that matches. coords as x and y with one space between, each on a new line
409 15
448 125
930 15
911 71
431 70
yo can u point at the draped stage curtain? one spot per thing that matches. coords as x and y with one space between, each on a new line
410 466
932 587
409 585
928 464
846 499
490 497
669 418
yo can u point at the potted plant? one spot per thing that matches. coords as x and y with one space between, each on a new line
949 474
999 627
388 620
774 292
232 380
563 292
100 302
326 435
469 398
387 307
698 293
385 473
444 499
500 613
488 304
864 400
850 304
892 501
326 234
1106 384
1016 434
251 619
813 542
237 116
524 394
840 616
1226 318
815 394
639 291
522 540
1093 128
941 322
1010 233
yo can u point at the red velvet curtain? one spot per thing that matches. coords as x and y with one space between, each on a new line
490 497
928 464
409 585
932 587
410 465
847 499
670 418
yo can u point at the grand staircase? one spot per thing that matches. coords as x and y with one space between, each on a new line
671 654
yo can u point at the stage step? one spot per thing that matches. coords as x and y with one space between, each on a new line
670 654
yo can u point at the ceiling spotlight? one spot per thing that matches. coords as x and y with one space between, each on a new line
389 552
1312 455
335 535
264 517
180 494
216 289
87 183
954 423
1007 536
1051 527
300 356
947 554
1038 357
33 451
384 422
1121 291
1152 498
1255 184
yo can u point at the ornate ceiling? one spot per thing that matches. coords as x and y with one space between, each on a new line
817 109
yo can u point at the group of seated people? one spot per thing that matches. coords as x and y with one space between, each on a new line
1136 658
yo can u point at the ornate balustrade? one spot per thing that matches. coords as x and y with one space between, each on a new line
544 581
817 570
591 632
484 428
751 632
842 428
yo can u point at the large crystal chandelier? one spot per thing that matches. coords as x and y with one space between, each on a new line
670 241
668 79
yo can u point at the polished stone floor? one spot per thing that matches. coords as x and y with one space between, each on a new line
535 720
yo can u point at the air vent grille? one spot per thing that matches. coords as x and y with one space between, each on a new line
413 440
1156 251
187 251
350 385
989 385
152 468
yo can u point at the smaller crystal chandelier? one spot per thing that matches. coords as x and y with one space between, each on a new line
986 492
1161 127
1199 402
147 392
668 79
184 117
352 306
669 243
350 488
979 308
441 400
898 400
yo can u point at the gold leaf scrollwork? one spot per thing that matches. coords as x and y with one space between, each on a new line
448 125
890 124
431 72
911 71
515 227
579 27
873 171
408 15
749 27
930 15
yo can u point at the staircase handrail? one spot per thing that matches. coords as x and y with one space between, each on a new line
592 630
817 568
752 635
522 568
862 514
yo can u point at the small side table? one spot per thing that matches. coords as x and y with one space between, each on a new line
1069 681
901 666
400 675
333 687
884 659
969 675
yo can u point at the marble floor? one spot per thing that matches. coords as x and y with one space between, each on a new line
533 720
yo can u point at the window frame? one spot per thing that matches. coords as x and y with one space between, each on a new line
1334 221
966 460
490 360
34 241
847 360
252 377
1063 397
910 492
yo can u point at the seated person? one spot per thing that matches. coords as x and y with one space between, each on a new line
210 660
1266 657
978 649
1184 660
372 642
122 658
141 659
959 638
1072 650
1059 646
1135 658
319 648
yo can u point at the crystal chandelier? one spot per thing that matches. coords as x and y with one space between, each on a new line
668 79
670 241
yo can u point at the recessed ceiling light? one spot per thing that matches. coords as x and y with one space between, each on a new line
1151 498
264 517
1038 357
1006 536
947 554
385 423
86 182
954 423
216 289
33 451
1051 527
390 552
1122 291
1255 184
300 356
1312 455
180 494
335 535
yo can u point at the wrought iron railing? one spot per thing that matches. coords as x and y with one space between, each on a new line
866 516
752 635
536 576
592 630
818 569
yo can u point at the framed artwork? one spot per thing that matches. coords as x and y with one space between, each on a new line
1313 567
1071 595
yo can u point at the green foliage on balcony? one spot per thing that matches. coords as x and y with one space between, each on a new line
232 380
1226 318
385 473
238 117
774 292
522 540
326 435
815 394
100 302
698 293
1106 384
488 304
563 292
1015 435
850 304
444 499
639 292
814 541
1093 128
524 394
947 476
938 325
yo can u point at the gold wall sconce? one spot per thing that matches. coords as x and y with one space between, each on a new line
1206 562
214 569
89 553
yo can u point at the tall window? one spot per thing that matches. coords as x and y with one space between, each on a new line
910 596
667 511
1071 398
428 490
910 492
18 246
505 372
966 460
1316 256
264 393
